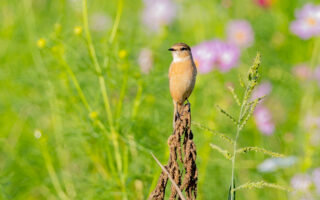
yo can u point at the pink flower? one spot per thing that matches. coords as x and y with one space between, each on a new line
228 56
264 3
158 13
316 179
263 120
205 56
240 33
145 60
301 182
302 71
215 53
307 23
263 89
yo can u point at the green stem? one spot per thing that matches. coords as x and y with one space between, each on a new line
103 88
96 64
117 21
244 102
122 95
89 109
53 175
76 84
137 100
315 54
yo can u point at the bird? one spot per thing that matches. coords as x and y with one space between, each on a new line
182 77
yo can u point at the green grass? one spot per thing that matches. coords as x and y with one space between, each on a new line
100 117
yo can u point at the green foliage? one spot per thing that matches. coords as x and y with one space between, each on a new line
227 115
79 118
246 111
225 153
261 184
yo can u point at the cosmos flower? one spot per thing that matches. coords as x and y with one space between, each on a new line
301 182
158 13
263 120
307 23
302 72
205 55
215 53
272 164
263 89
145 60
228 56
240 33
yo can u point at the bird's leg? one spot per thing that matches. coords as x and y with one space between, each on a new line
177 114
188 102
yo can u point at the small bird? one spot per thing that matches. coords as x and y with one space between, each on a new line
182 76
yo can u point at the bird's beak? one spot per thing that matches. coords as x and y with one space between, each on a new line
171 49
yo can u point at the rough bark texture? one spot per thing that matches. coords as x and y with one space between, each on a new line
181 154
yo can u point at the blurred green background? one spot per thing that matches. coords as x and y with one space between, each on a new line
56 137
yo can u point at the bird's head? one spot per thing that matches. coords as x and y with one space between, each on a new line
180 52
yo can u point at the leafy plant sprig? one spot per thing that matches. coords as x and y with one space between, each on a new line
247 108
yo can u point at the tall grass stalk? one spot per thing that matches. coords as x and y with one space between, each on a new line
247 108
233 160
103 87
117 21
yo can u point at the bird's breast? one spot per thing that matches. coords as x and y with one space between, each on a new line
182 77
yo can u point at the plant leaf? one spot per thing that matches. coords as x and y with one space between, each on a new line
234 95
261 184
225 153
220 135
227 114
262 150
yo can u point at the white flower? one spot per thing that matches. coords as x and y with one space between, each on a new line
37 134
272 164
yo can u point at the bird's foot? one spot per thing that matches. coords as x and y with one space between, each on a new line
177 116
188 103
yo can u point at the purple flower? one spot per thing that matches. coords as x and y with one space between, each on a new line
262 90
215 53
228 56
263 120
205 55
307 23
240 33
301 182
158 13
316 179
145 60
302 71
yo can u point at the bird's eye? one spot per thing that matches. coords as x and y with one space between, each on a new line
183 49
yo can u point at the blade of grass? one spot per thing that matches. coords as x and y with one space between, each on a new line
171 179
